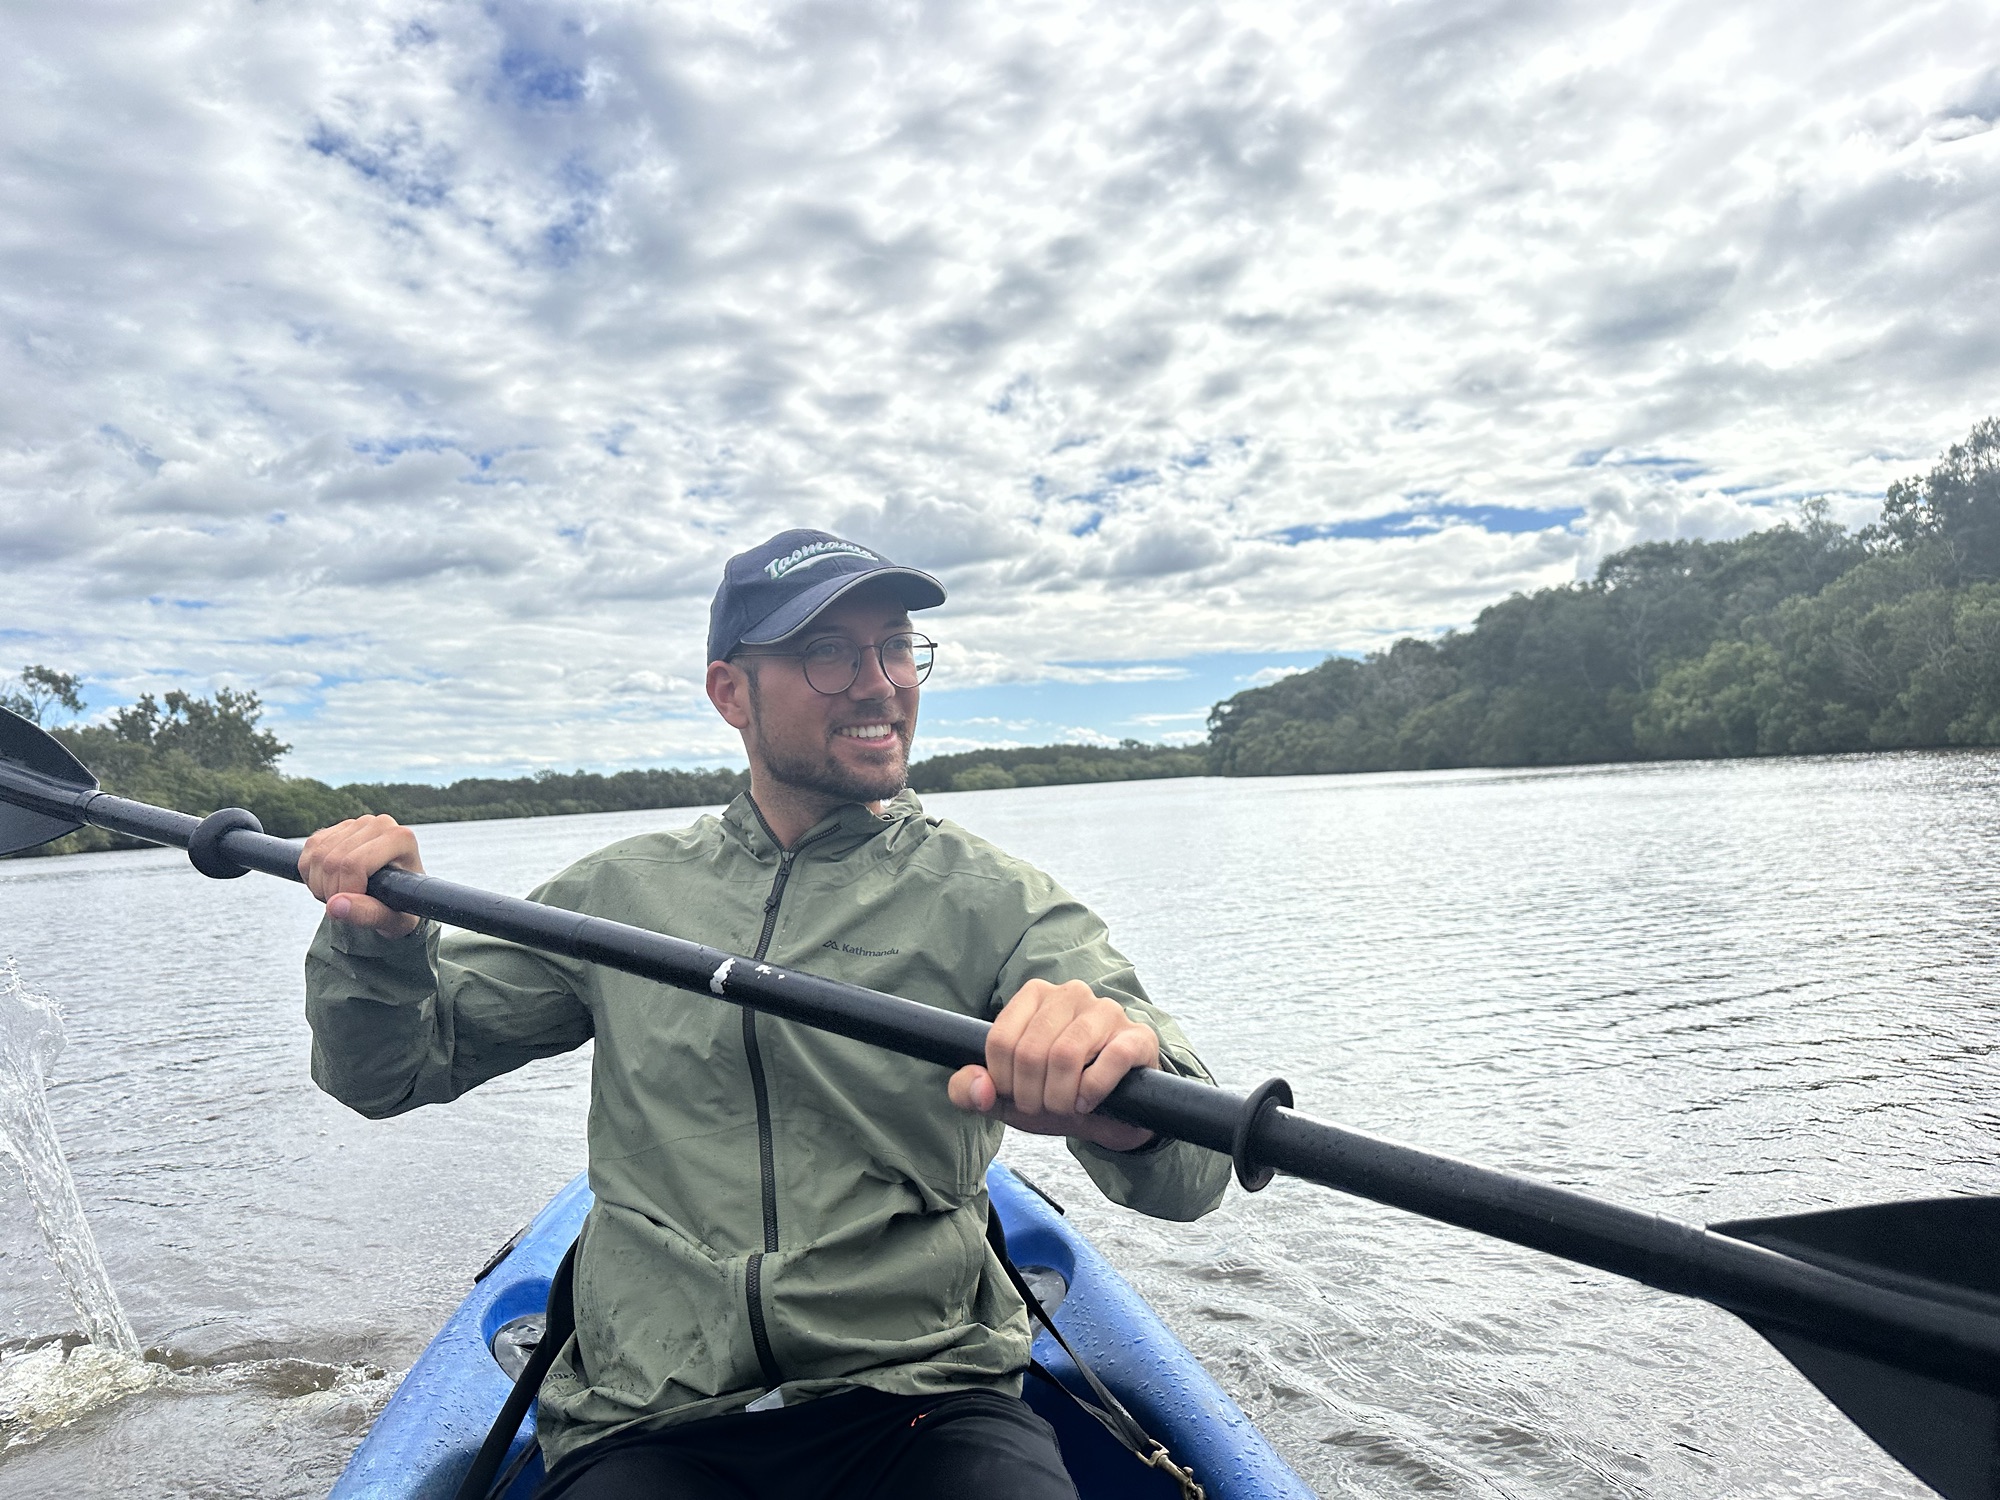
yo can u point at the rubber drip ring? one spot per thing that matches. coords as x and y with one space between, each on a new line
1269 1094
205 843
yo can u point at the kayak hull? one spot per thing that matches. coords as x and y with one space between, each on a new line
423 1442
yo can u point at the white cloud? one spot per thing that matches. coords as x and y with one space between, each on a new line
1265 676
439 354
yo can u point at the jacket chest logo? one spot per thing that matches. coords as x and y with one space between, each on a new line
853 952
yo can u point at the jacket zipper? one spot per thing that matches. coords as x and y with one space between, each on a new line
753 1277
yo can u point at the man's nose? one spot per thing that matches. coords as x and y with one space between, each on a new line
871 682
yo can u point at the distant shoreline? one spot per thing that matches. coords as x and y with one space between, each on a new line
292 806
1802 639
1023 768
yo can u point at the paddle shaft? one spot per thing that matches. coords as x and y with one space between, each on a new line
1952 1342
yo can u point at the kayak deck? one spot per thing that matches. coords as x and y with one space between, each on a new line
422 1444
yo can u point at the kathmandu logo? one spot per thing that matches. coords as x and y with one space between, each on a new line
814 552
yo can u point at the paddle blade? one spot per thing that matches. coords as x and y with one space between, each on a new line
1945 1249
1947 1436
26 747
1941 1248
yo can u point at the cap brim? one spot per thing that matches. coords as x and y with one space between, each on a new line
918 590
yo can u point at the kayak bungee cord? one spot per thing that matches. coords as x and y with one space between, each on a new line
1891 1310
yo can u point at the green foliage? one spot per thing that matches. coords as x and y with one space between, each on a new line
1884 659
1956 507
1798 639
1720 704
547 793
220 734
39 689
196 755
1052 765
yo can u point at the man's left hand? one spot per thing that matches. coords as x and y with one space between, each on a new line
1055 1053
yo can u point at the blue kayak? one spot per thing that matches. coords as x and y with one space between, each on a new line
425 1439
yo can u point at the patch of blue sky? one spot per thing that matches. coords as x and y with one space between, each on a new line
1099 501
388 450
1003 404
161 601
1765 497
565 239
539 81
1112 701
299 698
1675 468
132 448
388 164
1063 445
1497 519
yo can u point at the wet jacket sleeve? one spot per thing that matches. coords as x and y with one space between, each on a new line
402 1022
1065 940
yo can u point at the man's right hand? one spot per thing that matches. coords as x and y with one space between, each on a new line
337 862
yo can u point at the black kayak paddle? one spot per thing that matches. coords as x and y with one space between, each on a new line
1892 1310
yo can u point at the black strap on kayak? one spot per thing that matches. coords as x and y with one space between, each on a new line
1107 1408
483 1481
559 1323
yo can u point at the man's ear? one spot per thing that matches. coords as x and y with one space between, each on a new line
729 690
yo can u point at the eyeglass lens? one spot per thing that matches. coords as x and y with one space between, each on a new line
833 664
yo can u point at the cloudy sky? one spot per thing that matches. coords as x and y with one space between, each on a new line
419 364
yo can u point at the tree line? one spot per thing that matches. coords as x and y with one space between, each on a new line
195 754
1052 765
546 793
1804 638
185 751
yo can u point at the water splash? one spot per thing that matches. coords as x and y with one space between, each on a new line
31 1038
48 1386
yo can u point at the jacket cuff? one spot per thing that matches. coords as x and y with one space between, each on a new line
366 942
1159 1142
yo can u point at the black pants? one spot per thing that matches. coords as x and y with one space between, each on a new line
858 1445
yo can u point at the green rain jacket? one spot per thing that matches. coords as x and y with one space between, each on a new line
776 1207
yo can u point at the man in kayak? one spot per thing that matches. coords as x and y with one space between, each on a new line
784 1286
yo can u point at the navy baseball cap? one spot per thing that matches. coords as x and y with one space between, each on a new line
774 589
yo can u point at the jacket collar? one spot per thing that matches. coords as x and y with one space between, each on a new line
840 832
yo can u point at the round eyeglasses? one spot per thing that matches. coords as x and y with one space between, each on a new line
833 662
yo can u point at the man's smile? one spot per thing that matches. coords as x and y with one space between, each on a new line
877 731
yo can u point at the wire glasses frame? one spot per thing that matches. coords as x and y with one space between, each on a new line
832 663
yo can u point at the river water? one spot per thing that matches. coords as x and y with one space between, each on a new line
1715 990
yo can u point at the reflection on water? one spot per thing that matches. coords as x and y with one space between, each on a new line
1715 990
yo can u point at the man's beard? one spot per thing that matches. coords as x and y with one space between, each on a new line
823 774
828 777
